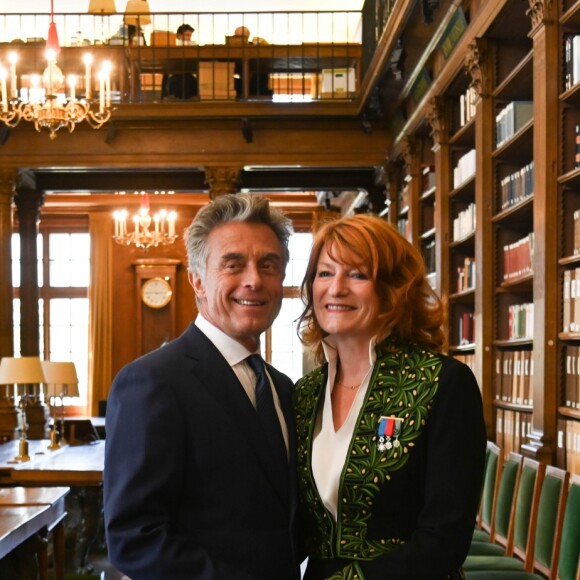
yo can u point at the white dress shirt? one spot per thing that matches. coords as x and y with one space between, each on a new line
330 447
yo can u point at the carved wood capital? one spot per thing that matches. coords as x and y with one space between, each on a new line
222 180
435 115
539 11
8 180
477 66
407 151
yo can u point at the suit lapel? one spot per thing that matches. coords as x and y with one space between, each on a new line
217 377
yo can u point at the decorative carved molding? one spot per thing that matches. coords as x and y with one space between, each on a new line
222 180
435 115
539 11
407 151
477 65
8 181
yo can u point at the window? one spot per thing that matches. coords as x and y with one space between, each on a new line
282 346
64 264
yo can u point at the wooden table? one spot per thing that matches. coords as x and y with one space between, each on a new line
79 467
52 498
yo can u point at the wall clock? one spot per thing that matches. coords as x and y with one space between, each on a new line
156 292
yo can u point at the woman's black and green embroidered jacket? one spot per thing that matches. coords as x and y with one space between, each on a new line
406 512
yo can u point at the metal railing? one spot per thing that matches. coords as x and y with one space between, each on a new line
278 56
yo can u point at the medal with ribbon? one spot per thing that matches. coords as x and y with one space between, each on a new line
388 431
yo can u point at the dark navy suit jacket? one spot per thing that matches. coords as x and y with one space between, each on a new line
190 487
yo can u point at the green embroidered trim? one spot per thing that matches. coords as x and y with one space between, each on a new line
404 384
349 572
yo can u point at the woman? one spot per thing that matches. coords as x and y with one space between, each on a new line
391 438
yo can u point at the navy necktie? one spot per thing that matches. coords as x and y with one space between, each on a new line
265 406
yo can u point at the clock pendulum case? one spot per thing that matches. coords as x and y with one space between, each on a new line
156 311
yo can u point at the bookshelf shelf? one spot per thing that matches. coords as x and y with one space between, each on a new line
570 413
519 148
522 211
513 407
514 342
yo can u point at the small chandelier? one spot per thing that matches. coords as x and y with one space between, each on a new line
148 230
44 102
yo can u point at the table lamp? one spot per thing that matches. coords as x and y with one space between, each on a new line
22 372
137 13
102 7
61 381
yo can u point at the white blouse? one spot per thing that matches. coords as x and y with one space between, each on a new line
330 447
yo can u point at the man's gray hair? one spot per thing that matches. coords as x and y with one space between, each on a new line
235 207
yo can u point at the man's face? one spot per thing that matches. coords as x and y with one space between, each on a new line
186 36
241 292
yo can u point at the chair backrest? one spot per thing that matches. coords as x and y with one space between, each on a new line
508 483
569 540
493 465
520 538
549 520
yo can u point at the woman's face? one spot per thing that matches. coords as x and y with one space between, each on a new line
346 304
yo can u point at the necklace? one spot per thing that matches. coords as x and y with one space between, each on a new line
350 387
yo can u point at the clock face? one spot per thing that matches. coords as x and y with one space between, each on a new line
156 293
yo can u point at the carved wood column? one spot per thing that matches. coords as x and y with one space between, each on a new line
437 114
9 414
479 60
542 440
28 202
7 185
222 180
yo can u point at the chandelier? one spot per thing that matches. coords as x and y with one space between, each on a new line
147 230
44 101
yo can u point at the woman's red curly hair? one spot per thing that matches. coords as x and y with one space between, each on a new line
411 310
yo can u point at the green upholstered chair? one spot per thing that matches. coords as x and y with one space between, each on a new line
508 481
557 532
493 462
522 525
568 542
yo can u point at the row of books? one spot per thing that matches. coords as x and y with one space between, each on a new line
466 275
517 186
513 372
467 359
404 226
518 258
571 60
429 256
403 195
571 395
466 331
428 183
465 168
464 223
576 216
467 106
568 445
521 321
511 119
512 429
571 301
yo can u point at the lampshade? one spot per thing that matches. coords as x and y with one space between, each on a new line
61 378
23 370
102 7
137 12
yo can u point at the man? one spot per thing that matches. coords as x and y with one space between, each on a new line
193 486
181 85
184 33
